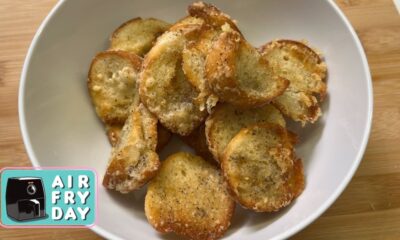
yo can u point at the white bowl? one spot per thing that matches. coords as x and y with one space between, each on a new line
60 127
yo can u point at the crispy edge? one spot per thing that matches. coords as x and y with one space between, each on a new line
209 130
296 182
120 28
295 178
136 62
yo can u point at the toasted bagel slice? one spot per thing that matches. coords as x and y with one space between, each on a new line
112 84
226 121
164 88
189 197
238 74
138 35
261 169
198 141
306 72
134 160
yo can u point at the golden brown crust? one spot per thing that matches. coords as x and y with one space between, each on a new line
226 121
261 169
137 35
198 141
238 74
296 181
121 27
189 197
306 72
110 84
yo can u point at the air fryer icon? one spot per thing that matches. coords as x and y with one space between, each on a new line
25 198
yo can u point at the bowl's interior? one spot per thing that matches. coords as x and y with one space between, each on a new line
60 126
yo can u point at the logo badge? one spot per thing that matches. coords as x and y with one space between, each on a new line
48 197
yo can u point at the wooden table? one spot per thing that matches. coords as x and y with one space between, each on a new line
369 208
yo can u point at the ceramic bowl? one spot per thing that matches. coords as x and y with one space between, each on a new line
60 127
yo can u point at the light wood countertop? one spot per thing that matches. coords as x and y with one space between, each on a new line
369 208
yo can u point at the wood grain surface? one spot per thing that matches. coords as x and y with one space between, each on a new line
369 208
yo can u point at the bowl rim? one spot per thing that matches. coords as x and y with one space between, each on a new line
285 234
